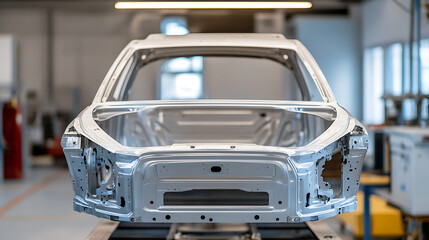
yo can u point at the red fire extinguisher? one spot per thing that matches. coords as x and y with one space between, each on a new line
12 155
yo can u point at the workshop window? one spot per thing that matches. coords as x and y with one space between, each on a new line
397 80
424 56
409 107
373 85
394 71
410 85
406 66
180 78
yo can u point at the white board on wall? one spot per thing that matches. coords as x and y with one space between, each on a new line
7 65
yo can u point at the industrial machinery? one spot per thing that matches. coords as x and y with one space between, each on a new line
409 148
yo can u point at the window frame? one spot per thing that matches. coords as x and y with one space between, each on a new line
324 90
408 86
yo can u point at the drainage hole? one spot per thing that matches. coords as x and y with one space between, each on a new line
215 169
167 217
203 217
256 217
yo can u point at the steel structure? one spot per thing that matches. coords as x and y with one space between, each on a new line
214 160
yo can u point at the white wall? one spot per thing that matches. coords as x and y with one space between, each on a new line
239 78
85 45
29 28
7 65
335 44
384 22
145 84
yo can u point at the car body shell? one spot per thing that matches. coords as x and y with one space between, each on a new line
270 183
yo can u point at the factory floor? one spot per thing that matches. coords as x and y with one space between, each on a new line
39 206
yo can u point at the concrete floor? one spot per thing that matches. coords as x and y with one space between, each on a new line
40 207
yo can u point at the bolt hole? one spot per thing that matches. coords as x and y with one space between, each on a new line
151 202
192 147
168 217
256 217
216 169
203 217
280 202
211 219
277 219
153 219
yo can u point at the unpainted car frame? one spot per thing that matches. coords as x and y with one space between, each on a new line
239 182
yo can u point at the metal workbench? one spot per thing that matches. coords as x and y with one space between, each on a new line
204 231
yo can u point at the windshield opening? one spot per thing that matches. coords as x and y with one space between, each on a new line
214 75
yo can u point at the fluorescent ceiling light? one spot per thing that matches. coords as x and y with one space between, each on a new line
211 5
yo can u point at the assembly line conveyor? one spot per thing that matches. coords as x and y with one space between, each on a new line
110 230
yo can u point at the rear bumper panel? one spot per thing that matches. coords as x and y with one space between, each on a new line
156 178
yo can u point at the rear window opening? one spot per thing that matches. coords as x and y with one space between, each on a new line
216 197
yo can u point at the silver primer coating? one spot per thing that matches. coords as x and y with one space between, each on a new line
125 157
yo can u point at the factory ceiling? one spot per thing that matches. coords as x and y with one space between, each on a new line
198 20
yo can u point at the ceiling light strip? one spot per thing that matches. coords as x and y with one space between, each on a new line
212 5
